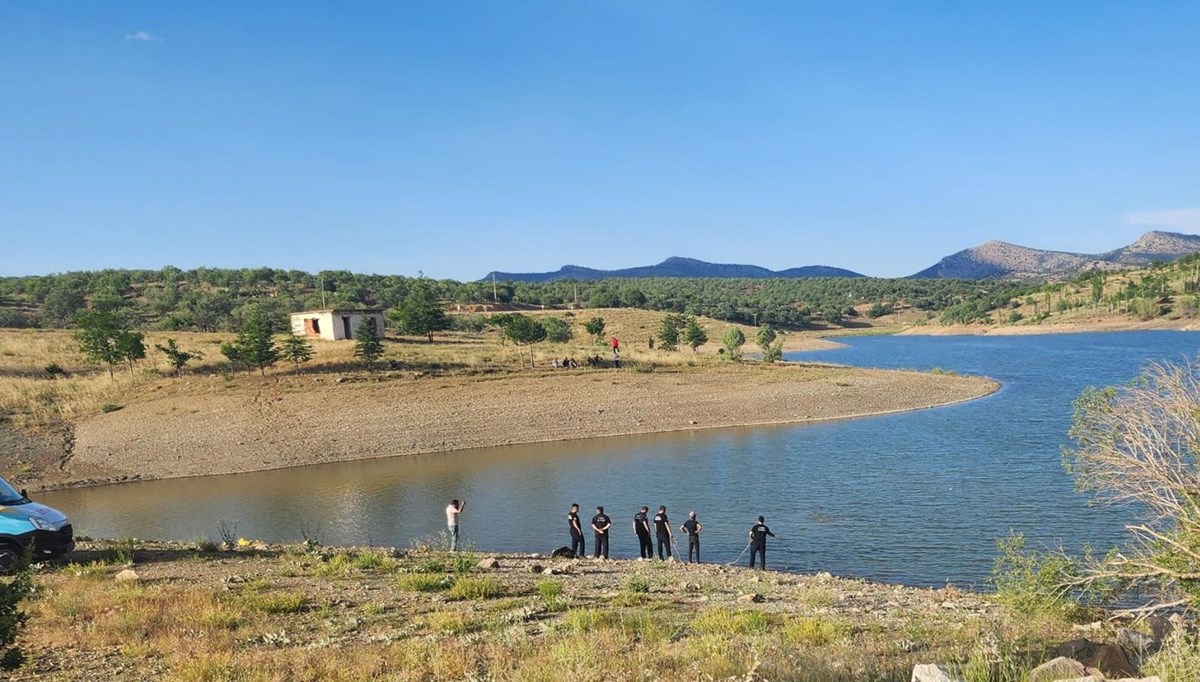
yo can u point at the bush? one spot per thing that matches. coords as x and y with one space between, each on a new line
1029 582
724 622
109 407
12 619
54 371
557 330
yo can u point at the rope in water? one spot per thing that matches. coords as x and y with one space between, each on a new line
739 557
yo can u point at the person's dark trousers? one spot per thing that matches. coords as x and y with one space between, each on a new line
577 544
601 545
646 549
664 541
761 550
693 544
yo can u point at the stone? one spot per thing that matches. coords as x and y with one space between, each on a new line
1109 659
489 563
128 576
1136 643
536 568
928 672
750 599
1061 668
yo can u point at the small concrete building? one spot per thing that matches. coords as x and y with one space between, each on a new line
334 324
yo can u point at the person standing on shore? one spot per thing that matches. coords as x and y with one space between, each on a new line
692 528
577 545
641 528
600 524
452 512
758 541
662 528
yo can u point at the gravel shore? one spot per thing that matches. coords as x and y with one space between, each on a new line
210 425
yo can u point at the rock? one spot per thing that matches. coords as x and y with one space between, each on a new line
1109 659
489 563
536 568
691 587
1061 668
927 672
128 576
552 570
1160 629
750 599
1135 642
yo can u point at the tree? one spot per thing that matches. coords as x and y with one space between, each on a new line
557 330
668 336
733 341
765 337
420 313
255 345
233 353
523 330
1137 445
296 350
367 344
595 327
177 357
694 335
104 340
878 309
132 346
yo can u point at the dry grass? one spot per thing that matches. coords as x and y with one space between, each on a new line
190 624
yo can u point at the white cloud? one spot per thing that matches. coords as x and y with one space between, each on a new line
143 37
1185 219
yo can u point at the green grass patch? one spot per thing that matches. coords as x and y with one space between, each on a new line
723 621
466 587
276 602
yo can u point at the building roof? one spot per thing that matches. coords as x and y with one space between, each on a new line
342 311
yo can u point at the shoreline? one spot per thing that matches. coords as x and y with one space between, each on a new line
1089 327
184 436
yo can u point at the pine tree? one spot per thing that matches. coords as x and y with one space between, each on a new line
367 344
177 357
694 335
296 350
733 341
420 313
255 346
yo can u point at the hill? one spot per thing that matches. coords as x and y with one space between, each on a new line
1001 260
674 267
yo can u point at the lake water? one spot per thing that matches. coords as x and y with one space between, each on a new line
916 498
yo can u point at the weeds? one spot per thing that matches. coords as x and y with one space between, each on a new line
476 588
423 582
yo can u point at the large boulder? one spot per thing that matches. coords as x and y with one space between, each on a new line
1061 668
1109 659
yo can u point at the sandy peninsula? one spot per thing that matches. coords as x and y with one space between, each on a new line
209 426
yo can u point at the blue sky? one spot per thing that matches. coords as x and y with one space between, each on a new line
455 138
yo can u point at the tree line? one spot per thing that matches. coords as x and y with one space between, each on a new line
214 299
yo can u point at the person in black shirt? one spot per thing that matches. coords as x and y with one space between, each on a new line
692 528
576 531
758 542
600 524
641 528
662 528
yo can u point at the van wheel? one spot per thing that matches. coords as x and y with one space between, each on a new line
10 559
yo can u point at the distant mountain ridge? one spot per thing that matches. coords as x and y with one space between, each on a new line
676 267
1001 260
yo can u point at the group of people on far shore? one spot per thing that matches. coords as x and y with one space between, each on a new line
662 533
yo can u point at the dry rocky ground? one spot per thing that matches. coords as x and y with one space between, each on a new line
191 612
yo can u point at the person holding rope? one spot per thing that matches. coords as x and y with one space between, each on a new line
641 528
758 542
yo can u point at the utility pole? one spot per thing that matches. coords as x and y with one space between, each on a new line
322 291
495 296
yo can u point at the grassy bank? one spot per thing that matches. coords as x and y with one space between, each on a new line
299 613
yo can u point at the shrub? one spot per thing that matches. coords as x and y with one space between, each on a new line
12 619
587 620
1029 581
109 407
54 371
815 630
476 588
636 584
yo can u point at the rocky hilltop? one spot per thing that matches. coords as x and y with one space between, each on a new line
1001 260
